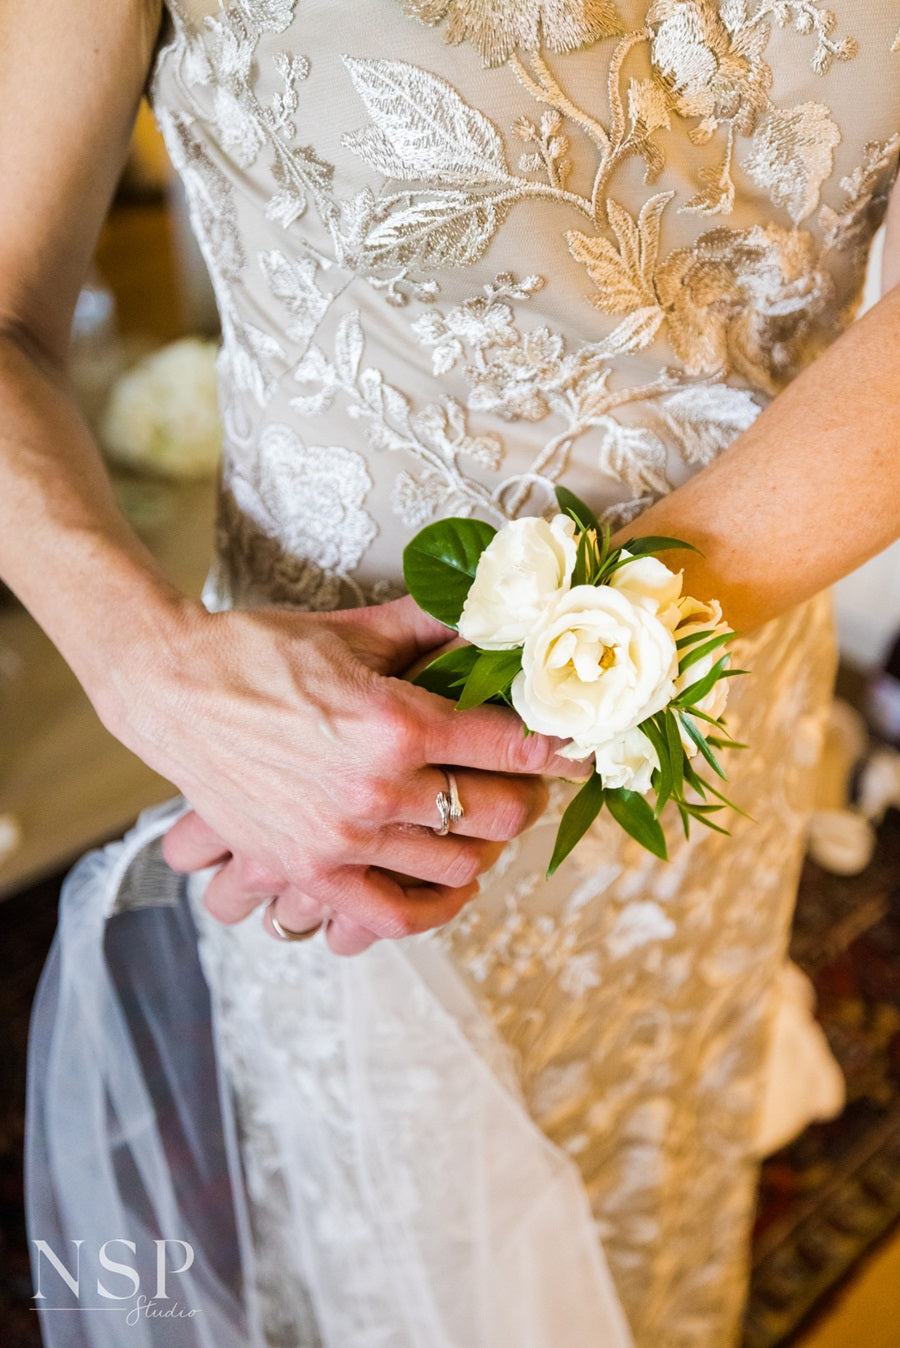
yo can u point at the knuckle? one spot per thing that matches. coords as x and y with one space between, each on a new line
400 923
398 732
463 865
365 800
257 877
512 816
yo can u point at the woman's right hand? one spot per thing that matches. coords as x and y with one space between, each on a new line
307 757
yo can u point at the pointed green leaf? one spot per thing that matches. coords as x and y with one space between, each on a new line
702 744
657 737
581 812
695 636
639 547
696 692
676 751
490 676
638 820
697 652
570 504
439 565
447 674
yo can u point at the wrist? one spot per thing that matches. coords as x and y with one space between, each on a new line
126 655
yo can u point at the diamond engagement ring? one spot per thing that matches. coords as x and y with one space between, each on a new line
449 805
285 933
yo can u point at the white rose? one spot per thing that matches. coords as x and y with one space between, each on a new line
596 666
519 573
628 761
698 616
648 582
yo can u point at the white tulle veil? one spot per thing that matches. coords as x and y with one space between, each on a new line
132 1138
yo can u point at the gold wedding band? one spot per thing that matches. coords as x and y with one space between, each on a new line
286 933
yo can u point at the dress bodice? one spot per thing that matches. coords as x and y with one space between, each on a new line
460 250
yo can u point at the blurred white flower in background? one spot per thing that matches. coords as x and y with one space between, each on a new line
163 415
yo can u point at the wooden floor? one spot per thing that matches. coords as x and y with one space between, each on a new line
867 1313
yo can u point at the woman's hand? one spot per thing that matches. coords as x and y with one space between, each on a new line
314 768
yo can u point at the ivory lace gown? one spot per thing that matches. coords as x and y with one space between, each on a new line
463 251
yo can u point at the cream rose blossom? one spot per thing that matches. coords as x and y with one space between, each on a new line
646 581
519 574
628 761
594 667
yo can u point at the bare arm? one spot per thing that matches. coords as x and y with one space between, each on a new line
812 489
286 731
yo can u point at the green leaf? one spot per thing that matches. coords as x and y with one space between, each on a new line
676 751
581 812
697 652
490 676
700 740
570 504
636 817
639 547
696 692
447 674
656 734
695 636
439 565
720 742
581 569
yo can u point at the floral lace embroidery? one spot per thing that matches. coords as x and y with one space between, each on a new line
498 28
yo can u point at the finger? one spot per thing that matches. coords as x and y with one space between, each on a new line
492 739
309 921
403 631
495 806
191 845
238 887
423 856
346 937
376 901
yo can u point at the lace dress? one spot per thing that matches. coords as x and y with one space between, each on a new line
463 251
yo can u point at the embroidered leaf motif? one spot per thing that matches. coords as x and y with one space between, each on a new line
716 196
633 454
704 418
634 332
648 104
417 500
624 276
423 130
293 283
268 16
792 156
451 229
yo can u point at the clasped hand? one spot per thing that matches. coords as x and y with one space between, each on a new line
313 768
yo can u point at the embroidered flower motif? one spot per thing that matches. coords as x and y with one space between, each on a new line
791 156
314 497
498 28
712 60
744 300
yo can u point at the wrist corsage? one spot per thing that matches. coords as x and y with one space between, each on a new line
593 644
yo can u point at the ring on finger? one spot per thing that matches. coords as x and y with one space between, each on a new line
449 805
287 933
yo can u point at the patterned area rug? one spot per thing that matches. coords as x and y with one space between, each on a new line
825 1201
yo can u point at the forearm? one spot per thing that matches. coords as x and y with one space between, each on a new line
808 492
65 548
